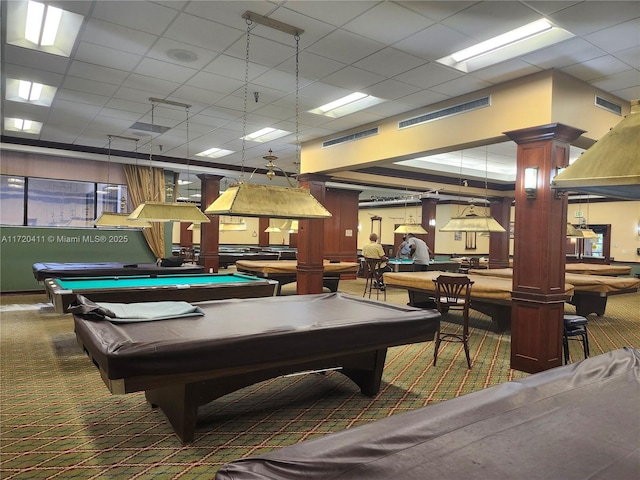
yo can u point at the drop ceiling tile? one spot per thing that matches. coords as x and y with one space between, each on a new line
619 81
345 47
34 59
630 56
167 50
117 37
198 31
563 54
233 67
164 70
263 51
389 62
145 16
588 17
391 89
199 97
311 66
374 23
422 98
428 75
20 72
97 73
215 83
618 37
597 68
82 97
436 10
505 71
484 20
353 79
93 87
435 42
154 86
460 86
107 57
347 10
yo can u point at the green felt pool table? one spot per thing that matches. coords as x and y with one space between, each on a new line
406 265
147 288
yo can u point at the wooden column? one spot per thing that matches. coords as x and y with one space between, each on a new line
499 242
209 232
310 240
186 236
263 237
539 250
428 214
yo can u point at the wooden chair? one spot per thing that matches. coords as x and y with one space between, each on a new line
474 262
372 277
453 293
575 326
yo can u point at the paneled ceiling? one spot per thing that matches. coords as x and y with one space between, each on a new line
194 52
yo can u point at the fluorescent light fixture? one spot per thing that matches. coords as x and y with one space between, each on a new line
515 43
266 134
25 91
40 26
215 153
184 182
351 103
22 125
42 23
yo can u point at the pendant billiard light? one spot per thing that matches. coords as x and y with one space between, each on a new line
156 211
245 199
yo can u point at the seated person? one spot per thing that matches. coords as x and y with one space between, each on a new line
374 250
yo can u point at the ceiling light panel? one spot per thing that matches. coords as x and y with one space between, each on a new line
12 124
38 26
24 91
215 153
515 43
266 135
351 103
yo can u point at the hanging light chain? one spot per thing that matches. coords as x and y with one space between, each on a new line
298 148
246 95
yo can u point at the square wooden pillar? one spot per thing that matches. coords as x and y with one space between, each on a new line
428 214
209 232
539 249
311 241
499 241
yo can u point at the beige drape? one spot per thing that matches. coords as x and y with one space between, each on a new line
147 184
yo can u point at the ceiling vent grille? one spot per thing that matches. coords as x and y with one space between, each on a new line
351 137
147 127
607 105
446 112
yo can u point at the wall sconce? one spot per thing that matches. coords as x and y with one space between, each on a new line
531 181
638 228
432 222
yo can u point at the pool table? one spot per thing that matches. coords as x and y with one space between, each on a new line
489 295
286 271
184 363
147 288
44 270
591 291
578 421
406 265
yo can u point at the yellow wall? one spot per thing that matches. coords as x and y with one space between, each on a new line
246 237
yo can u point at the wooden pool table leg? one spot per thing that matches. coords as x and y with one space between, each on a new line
180 405
586 304
366 371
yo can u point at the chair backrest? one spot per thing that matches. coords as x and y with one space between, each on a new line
474 262
372 265
452 291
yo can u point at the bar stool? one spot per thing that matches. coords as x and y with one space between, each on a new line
372 278
575 326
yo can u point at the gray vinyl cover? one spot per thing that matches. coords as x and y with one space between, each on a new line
236 332
579 421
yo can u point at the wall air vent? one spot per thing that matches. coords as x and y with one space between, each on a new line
446 112
350 138
607 105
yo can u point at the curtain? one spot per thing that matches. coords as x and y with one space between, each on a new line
147 184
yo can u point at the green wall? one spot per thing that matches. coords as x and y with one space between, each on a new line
21 247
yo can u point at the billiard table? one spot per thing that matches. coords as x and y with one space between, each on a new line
597 269
141 288
406 265
489 295
591 291
286 271
184 363
578 421
44 270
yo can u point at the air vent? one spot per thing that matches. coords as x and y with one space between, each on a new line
350 138
607 105
446 112
147 127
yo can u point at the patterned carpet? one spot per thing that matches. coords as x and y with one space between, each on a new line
58 420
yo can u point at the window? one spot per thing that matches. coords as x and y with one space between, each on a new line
60 203
12 200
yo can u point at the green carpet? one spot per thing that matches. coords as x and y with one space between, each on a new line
58 420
